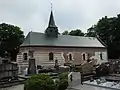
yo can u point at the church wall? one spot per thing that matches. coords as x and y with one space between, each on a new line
41 54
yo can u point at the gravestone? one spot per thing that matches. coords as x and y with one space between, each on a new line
74 78
56 65
8 70
31 67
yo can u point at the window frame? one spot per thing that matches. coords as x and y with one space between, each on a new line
70 58
84 56
51 56
101 56
25 56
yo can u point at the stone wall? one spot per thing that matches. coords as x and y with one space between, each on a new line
41 55
8 70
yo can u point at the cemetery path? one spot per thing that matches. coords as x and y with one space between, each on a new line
87 87
78 87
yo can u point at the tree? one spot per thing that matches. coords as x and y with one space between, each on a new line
65 33
76 32
91 32
10 37
108 30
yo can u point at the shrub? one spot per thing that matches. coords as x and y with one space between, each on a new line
102 70
64 76
45 82
40 82
63 83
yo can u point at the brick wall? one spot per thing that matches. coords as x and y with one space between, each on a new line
41 54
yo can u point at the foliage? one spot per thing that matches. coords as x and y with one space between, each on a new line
65 33
63 84
45 82
108 30
40 82
102 70
76 32
10 37
63 76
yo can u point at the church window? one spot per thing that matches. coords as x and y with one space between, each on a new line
83 56
101 56
51 56
70 56
25 56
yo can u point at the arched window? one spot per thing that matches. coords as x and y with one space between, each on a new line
25 56
101 57
70 56
51 56
83 56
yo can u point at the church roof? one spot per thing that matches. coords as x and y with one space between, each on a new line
40 39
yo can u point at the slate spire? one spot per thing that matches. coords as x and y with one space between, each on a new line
51 20
52 29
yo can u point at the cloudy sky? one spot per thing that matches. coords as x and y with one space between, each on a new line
32 15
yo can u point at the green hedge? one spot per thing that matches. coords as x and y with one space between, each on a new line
40 82
63 83
45 82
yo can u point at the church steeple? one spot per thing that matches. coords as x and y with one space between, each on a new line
51 20
52 29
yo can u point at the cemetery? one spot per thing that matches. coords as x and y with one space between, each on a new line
60 61
107 76
8 73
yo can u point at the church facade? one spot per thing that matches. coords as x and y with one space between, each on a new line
50 46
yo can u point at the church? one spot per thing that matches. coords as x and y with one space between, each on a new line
67 50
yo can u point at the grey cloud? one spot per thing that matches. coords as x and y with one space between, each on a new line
69 14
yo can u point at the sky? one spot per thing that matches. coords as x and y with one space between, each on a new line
33 15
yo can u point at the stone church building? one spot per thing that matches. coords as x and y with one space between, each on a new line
50 46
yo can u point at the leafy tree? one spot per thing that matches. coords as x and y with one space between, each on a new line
108 30
10 37
65 33
76 32
91 32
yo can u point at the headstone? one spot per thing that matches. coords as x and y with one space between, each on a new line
74 78
56 64
103 79
31 67
98 81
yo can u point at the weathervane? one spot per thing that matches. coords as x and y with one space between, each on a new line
51 5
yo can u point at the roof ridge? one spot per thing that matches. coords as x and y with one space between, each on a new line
36 32
37 38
